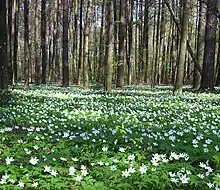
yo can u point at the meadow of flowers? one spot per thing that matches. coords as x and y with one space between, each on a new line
135 138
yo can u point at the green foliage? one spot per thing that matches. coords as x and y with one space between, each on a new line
136 138
5 97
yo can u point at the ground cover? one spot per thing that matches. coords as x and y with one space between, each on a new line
135 138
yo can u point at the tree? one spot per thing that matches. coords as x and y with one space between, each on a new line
65 80
36 45
130 40
200 44
109 46
26 44
218 62
80 44
3 47
43 41
122 34
183 44
86 47
10 40
15 48
208 80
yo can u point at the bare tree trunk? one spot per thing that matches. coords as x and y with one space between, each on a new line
3 47
157 53
15 48
65 79
10 42
200 44
122 34
208 78
36 45
43 41
130 40
26 44
109 45
183 43
218 63
146 41
80 44
101 43
86 47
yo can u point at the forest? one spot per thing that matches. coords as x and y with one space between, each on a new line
110 94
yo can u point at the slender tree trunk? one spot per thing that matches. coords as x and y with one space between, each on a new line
101 43
208 78
43 41
130 40
95 65
146 41
65 78
157 53
36 45
200 44
3 47
109 45
183 43
80 44
15 48
122 34
86 47
26 44
10 42
140 46
218 63
57 46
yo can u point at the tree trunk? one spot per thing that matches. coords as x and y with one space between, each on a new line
130 40
10 42
15 48
26 44
109 45
200 44
183 43
65 81
157 53
146 41
43 41
218 63
3 47
36 45
208 80
101 43
86 47
122 34
80 44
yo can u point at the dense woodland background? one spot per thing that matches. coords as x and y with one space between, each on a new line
172 42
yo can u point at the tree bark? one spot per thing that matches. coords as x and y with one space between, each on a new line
80 44
218 63
36 45
3 47
26 44
43 41
122 34
65 79
208 80
10 42
86 47
109 46
183 43
200 44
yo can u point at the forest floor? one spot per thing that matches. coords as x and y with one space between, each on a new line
135 138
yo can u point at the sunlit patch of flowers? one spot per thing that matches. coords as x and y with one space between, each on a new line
135 138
